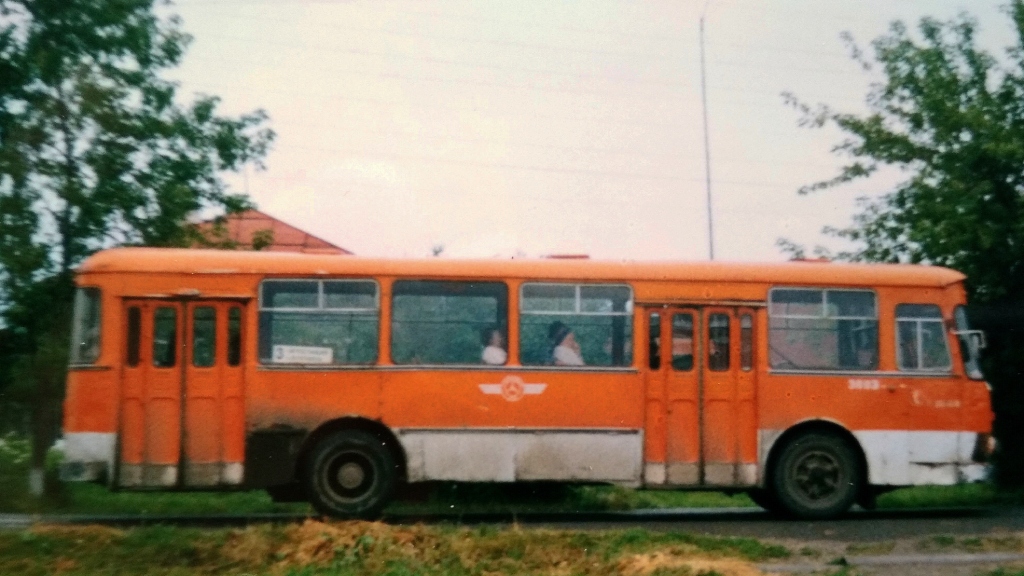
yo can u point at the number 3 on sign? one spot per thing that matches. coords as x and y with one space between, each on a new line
865 384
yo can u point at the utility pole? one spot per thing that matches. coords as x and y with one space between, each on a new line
707 147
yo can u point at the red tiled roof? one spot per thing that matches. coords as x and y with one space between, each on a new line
243 227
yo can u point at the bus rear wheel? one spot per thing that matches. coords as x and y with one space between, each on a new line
350 474
816 476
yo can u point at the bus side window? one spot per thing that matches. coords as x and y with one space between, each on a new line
133 335
718 342
682 342
204 336
921 338
165 337
598 316
816 329
304 321
654 341
746 342
234 336
86 327
440 322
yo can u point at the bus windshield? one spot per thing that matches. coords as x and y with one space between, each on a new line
971 343
85 330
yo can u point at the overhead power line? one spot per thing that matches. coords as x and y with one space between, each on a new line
502 165
618 197
320 48
547 48
547 169
528 87
416 104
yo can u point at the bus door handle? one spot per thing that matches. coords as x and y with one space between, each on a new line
894 387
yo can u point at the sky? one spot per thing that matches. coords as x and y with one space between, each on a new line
529 128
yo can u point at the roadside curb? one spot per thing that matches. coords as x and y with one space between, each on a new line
10 521
17 521
896 560
23 521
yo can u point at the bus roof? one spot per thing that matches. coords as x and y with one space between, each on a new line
191 261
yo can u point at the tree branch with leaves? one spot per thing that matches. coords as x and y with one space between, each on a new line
97 150
950 117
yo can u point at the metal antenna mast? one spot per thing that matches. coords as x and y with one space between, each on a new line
707 147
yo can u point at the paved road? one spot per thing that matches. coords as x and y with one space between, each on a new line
856 526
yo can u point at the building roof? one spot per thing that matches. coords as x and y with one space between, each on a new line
245 228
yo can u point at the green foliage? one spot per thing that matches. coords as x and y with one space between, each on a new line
97 150
15 456
262 239
94 149
949 116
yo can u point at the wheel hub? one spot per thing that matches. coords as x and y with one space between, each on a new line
817 475
351 475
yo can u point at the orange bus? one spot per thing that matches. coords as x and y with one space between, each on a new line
811 386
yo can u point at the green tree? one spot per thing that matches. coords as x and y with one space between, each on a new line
950 116
97 150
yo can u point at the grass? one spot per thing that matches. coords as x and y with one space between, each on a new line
948 496
357 548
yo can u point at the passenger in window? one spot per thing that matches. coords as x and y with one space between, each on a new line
565 350
494 346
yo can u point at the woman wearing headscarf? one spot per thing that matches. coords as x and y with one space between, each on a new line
565 350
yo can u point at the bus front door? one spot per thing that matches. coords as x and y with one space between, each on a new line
728 410
700 397
182 407
213 439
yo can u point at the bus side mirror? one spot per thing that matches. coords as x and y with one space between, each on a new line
975 340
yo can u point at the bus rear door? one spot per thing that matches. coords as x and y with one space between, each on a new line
182 403
701 397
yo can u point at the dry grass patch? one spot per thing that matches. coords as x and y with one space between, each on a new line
670 562
370 548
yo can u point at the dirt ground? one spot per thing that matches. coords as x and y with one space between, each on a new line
924 556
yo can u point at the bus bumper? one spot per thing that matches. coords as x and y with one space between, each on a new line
973 472
88 456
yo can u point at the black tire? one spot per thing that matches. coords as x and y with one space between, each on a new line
350 474
764 498
287 493
816 476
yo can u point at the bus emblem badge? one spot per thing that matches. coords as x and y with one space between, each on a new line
512 388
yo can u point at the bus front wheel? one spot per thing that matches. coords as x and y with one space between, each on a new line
816 476
350 474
